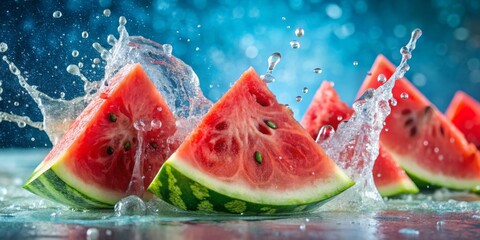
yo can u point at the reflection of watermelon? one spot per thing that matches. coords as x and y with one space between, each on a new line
249 155
464 113
422 140
92 165
327 108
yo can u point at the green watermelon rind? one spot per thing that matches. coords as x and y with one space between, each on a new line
186 189
426 180
406 186
50 186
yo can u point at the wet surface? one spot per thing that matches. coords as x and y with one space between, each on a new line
435 215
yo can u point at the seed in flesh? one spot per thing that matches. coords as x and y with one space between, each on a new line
112 117
110 150
127 146
258 157
271 124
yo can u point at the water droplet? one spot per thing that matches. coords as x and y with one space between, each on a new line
73 69
122 21
299 32
16 104
381 78
92 234
197 49
57 14
32 139
355 63
62 95
84 34
404 95
317 70
284 18
268 78
96 60
393 101
339 118
3 47
75 53
80 65
167 48
107 12
21 124
302 227
294 44
326 132
408 231
305 90
273 60
156 124
440 225
130 206
298 99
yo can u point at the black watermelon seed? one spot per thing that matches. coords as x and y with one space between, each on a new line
413 131
408 122
442 131
406 111
110 150
154 145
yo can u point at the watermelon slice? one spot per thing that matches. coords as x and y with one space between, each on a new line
92 166
464 113
428 146
326 108
249 155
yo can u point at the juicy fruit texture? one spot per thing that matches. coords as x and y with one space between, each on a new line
464 113
430 149
120 137
326 108
249 155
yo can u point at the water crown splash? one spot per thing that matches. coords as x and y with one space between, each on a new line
355 144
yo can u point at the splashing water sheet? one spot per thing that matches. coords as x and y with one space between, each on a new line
360 211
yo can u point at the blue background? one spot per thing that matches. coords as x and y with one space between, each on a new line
233 35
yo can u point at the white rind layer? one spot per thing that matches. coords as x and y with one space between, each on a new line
438 179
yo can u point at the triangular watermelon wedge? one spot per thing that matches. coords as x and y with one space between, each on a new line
326 108
249 155
464 113
93 165
428 146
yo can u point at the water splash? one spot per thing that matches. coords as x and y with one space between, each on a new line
176 81
355 144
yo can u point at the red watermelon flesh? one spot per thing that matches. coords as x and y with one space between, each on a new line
422 140
225 141
464 113
326 108
96 158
